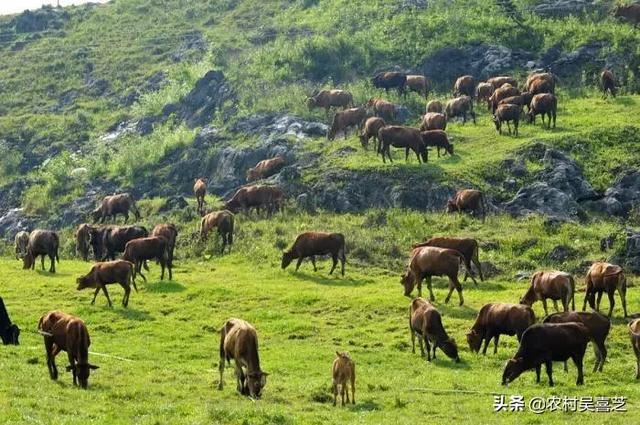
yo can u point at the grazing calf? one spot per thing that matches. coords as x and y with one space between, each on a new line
607 83
310 244
21 241
346 119
553 285
153 247
434 106
402 137
200 191
271 198
598 326
634 333
543 104
64 332
484 92
383 109
370 129
239 341
546 343
103 274
265 168
41 243
495 319
115 239
429 261
343 372
389 80
604 277
221 220
468 247
468 200
465 85
433 121
425 322
460 107
328 98
83 240
500 94
9 332
534 86
170 233
437 139
113 205
418 84
507 113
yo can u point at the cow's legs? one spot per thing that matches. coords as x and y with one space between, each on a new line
578 361
106 294
95 294
298 263
313 262
612 301
549 367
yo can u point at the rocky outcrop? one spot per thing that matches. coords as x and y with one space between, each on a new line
192 48
622 197
564 8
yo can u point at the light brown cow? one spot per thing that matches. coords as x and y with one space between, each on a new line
468 247
382 108
137 251
370 130
221 220
434 106
271 198
553 285
83 240
498 82
329 98
502 93
113 205
200 191
170 233
545 104
433 121
425 322
460 107
604 277
402 137
418 84
495 319
484 92
634 333
465 85
346 119
343 373
265 168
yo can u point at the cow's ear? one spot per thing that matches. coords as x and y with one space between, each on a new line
93 367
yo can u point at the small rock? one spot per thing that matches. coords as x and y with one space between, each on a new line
522 275
174 203
560 254
607 242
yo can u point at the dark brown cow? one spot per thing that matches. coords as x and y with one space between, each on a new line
113 205
170 233
460 107
630 12
495 319
607 83
533 82
390 80
310 244
200 191
239 341
543 104
468 200
265 168
150 248
465 85
370 129
343 372
383 109
604 277
271 198
433 121
434 106
83 240
468 247
553 285
542 86
634 333
115 239
484 92
546 343
425 322
418 84
221 220
328 98
437 139
64 332
105 273
500 94
507 113
346 119
42 243
402 137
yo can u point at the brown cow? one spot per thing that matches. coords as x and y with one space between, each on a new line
468 200
634 333
83 240
310 244
343 120
64 332
265 168
598 326
460 107
429 261
502 93
630 12
21 241
507 113
402 137
484 92
465 85
113 205
382 108
200 191
115 239
495 319
605 277
271 198
150 248
607 83
41 243
433 121
239 341
418 84
103 274
497 82
425 322
543 104
343 372
553 285
539 86
389 80
468 247
370 129
437 139
170 233
434 106
546 343
328 98
224 222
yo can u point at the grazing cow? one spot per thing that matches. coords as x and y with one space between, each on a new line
437 139
346 119
497 82
631 12
534 83
460 107
265 168
598 326
546 343
328 98
468 247
500 94
418 84
115 239
9 332
433 121
200 191
41 243
113 205
507 113
271 198
170 233
390 80
221 220
483 93
425 322
429 261
634 333
370 129
434 106
604 277
383 109
553 285
21 241
468 200
343 372
239 341
103 274
64 332
495 319
402 137
310 244
151 248
607 83
465 85
83 240
543 104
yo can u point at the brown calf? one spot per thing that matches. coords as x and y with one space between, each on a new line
460 107
500 94
346 119
370 129
271 198
343 372
21 241
153 247
221 220
328 98
553 285
418 84
434 106
425 322
607 83
497 82
103 274
389 80
83 240
604 277
113 205
634 333
507 113
41 243
200 191
468 247
484 92
170 233
383 109
437 139
468 200
310 244
465 85
433 121
402 137
265 168
495 319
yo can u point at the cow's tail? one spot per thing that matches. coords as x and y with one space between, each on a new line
483 201
572 293
230 236
135 209
57 239
131 276
464 263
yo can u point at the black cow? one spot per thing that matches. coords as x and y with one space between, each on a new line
9 332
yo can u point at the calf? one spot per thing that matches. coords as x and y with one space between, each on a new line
115 239
634 333
402 137
170 233
437 139
64 332
103 274
546 343
429 261
484 92
41 243
553 285
598 326
9 332
418 84
495 319
604 277
21 241
343 372
465 85
200 191
468 200
265 168
346 119
425 323
370 130
389 80
468 247
113 205
507 113
433 121
310 244
383 109
460 107
221 220
329 98
83 240
543 104
271 198
239 341
607 83
153 247
434 106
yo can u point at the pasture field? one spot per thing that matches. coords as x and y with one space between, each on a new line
163 349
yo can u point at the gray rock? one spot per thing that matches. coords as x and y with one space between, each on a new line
540 198
174 203
560 254
563 8
14 221
271 125
622 196
193 48
522 275
305 202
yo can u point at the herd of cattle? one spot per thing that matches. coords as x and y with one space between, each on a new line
559 337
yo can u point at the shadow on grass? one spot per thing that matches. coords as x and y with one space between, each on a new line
48 273
164 287
363 406
626 101
330 280
132 314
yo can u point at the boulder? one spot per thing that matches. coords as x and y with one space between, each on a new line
560 254
564 8
14 221
540 198
174 203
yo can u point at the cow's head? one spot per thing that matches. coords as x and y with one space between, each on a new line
450 348
474 339
529 297
82 372
27 260
287 258
408 281
84 282
255 382
451 206
512 370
